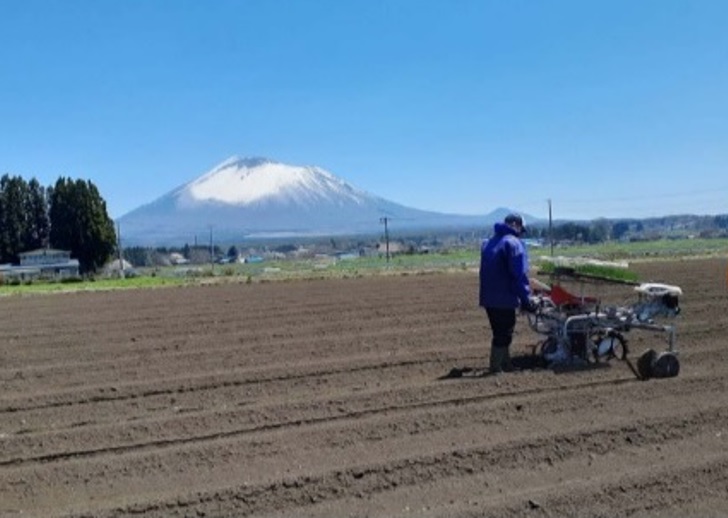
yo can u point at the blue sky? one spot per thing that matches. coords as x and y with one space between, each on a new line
610 108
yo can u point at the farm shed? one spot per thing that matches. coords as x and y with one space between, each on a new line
45 263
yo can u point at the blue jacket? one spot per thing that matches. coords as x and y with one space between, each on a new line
503 270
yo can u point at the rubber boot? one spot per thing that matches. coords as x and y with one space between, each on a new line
507 363
497 359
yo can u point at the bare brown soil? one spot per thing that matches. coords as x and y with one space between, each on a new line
325 398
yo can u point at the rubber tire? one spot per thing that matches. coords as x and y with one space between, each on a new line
645 362
666 365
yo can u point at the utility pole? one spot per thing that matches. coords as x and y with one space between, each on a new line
385 220
212 257
551 230
118 249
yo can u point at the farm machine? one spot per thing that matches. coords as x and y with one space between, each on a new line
580 329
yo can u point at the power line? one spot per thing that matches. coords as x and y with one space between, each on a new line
600 198
647 204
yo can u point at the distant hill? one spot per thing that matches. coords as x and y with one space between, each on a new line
258 197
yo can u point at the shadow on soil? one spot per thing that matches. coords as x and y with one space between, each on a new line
525 362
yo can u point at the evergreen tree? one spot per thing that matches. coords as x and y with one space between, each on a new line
599 231
13 226
137 255
619 229
80 223
38 226
721 221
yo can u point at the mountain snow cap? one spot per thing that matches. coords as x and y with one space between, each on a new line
243 181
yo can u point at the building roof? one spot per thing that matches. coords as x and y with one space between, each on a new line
44 251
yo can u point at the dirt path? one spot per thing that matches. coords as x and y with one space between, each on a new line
326 399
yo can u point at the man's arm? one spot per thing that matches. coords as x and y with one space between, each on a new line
519 271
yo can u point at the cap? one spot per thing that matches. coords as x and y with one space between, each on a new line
515 218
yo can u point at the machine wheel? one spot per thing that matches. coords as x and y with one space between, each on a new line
666 365
644 364
554 352
610 345
619 347
653 365
549 347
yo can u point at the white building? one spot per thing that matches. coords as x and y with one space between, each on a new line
46 263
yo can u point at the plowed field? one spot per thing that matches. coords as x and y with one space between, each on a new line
326 399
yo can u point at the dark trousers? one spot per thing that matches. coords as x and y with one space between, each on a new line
502 323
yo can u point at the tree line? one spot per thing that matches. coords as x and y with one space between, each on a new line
160 256
600 230
70 215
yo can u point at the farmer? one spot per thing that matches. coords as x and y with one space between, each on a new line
504 286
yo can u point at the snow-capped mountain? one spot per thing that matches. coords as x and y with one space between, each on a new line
257 197
246 182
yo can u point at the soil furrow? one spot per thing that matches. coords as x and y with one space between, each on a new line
132 438
326 399
366 480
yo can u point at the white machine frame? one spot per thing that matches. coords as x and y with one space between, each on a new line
581 330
